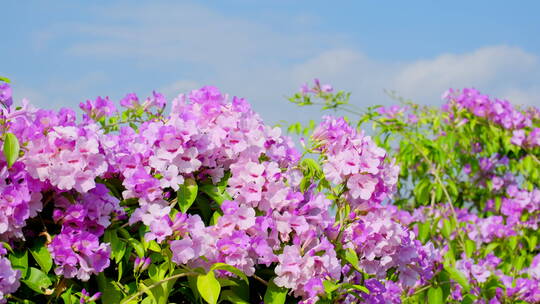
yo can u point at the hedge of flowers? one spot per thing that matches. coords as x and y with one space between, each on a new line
469 185
198 201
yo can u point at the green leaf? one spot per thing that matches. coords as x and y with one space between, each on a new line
156 293
438 193
444 283
214 193
435 295
186 194
459 277
423 231
68 297
468 299
154 246
275 294
518 262
139 248
452 189
37 280
42 256
532 241
490 248
421 191
215 217
7 246
231 269
513 242
118 247
352 258
447 228
121 269
11 148
5 79
208 287
158 273
203 203
356 286
110 293
330 286
470 248
19 261
498 202
229 295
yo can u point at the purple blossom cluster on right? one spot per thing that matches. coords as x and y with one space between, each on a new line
500 112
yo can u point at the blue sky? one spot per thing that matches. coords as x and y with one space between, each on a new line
59 53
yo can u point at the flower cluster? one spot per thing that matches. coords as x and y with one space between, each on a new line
20 199
383 244
9 278
518 289
396 111
76 250
5 95
353 159
68 157
500 112
317 88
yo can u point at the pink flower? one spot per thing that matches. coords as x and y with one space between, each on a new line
361 186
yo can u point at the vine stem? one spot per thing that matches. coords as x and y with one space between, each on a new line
535 158
435 172
140 292
256 277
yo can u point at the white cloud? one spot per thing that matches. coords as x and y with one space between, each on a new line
497 70
492 69
248 57
189 33
527 97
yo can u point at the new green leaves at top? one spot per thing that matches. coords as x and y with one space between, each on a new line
11 148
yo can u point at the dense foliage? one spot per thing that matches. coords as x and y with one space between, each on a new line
204 203
469 184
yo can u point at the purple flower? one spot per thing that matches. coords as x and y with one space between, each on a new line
96 109
518 136
79 254
5 94
130 101
9 278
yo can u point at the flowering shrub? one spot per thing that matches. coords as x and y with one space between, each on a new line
469 185
205 203
201 202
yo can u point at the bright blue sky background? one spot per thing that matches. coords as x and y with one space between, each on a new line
59 53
